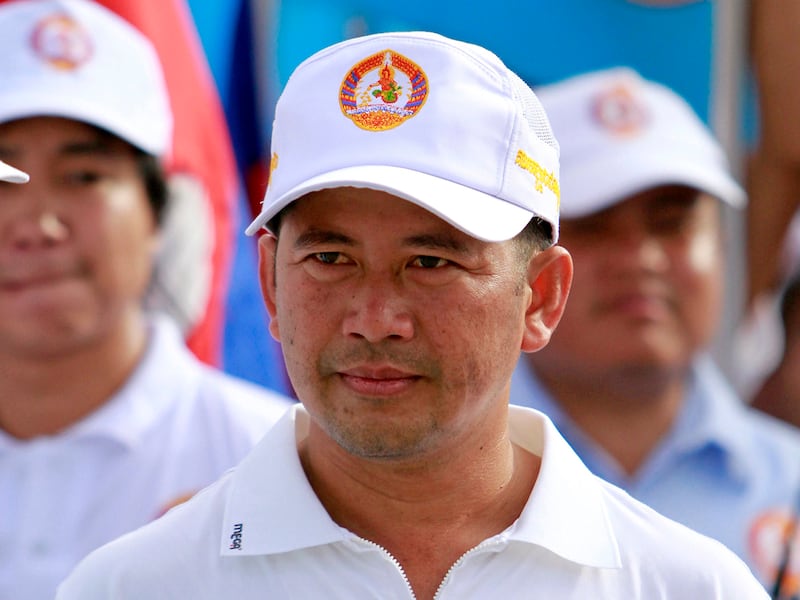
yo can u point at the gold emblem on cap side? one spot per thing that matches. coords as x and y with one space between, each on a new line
383 91
542 177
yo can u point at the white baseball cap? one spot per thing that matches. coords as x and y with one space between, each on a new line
12 175
621 134
440 123
79 60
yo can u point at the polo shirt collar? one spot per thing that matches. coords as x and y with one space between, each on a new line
271 499
712 415
566 512
274 507
162 377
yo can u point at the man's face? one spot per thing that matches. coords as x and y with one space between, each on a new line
399 331
647 285
76 242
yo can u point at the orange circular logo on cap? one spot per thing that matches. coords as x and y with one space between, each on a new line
383 91
620 111
61 42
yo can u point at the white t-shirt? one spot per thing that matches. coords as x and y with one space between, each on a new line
260 532
174 427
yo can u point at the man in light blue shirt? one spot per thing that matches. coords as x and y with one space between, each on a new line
625 377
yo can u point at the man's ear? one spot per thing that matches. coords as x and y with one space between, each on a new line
549 278
267 249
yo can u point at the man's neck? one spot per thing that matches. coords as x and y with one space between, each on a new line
426 517
45 395
625 413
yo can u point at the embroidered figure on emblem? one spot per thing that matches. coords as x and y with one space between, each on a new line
389 91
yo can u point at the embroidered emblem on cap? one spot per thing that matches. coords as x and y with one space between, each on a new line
383 91
620 111
61 42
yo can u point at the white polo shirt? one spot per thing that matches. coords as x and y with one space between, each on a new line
260 532
173 428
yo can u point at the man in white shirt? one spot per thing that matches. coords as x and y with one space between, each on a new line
106 419
411 217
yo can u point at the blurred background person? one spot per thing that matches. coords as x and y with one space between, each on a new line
627 377
106 418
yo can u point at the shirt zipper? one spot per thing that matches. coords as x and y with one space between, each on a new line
394 561
493 541
482 546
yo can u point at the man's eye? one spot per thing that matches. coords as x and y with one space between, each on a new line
82 177
429 262
670 222
328 258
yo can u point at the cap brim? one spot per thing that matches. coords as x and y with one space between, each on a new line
12 175
463 207
605 181
91 111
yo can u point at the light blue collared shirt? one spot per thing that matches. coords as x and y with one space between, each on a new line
723 469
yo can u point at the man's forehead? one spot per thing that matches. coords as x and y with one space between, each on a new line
346 214
348 202
651 200
71 137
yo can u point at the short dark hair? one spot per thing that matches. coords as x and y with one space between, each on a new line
536 236
152 173
155 182
790 302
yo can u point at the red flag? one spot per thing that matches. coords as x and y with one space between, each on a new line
201 149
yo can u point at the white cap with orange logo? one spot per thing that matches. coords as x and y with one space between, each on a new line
77 59
621 134
438 122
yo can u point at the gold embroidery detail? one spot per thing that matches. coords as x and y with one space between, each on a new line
273 162
543 177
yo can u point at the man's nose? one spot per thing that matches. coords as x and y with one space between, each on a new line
378 310
31 219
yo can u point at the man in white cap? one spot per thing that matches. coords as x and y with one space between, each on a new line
12 175
627 378
106 419
411 216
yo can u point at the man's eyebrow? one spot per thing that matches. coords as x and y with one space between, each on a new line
98 145
425 241
315 237
95 146
436 241
8 152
